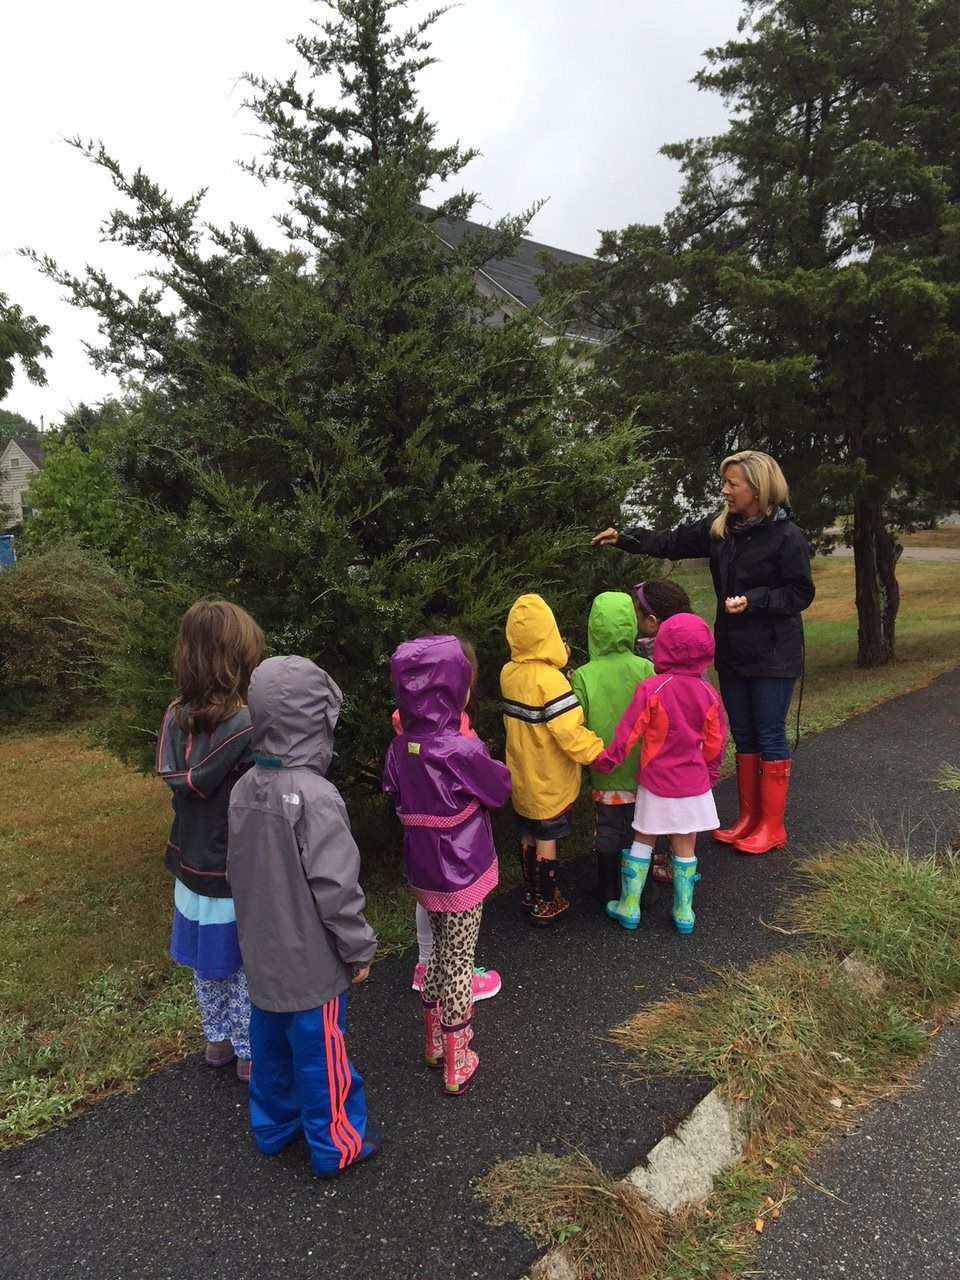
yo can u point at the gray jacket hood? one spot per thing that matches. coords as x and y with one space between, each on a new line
294 706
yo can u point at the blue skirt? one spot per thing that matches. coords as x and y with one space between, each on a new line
204 935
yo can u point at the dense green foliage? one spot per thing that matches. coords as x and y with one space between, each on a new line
76 495
333 434
22 338
804 296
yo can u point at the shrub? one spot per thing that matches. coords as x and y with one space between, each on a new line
58 623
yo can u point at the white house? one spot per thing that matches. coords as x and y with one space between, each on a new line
18 462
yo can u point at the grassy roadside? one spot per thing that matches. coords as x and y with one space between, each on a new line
795 1042
89 1000
945 535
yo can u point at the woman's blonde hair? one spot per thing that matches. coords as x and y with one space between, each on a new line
218 646
762 473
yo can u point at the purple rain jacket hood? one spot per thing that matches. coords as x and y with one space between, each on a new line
292 862
433 771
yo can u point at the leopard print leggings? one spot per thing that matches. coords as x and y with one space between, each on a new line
449 975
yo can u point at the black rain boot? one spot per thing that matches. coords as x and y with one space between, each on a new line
550 902
608 876
528 858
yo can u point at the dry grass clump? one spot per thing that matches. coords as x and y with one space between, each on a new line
608 1230
785 1039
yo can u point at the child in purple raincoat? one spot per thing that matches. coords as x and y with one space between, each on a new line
444 785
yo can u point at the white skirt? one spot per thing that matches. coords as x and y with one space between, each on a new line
655 815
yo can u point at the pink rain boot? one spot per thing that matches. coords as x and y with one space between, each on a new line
433 1040
460 1063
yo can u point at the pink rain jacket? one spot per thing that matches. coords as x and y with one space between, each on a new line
677 713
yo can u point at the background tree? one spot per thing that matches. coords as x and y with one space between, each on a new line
15 425
332 433
803 297
22 338
76 496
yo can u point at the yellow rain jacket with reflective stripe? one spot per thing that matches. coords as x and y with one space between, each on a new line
547 741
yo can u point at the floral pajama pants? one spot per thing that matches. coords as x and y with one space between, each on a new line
449 975
225 1010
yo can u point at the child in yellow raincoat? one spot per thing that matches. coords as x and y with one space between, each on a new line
547 742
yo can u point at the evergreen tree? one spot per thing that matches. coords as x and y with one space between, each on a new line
803 298
334 434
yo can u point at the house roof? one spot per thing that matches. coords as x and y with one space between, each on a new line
515 275
30 446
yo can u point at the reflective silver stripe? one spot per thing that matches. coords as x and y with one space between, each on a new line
540 715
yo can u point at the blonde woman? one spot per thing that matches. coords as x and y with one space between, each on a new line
760 563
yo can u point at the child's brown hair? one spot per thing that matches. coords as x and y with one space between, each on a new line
661 598
473 702
218 646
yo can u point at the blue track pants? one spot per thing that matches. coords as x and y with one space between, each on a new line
302 1079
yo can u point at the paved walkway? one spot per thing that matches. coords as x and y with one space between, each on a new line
892 1199
165 1183
947 554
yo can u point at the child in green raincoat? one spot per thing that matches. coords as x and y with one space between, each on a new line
604 687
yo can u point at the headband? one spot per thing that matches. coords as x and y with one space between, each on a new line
641 599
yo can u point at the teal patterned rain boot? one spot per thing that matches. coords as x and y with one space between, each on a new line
633 876
684 878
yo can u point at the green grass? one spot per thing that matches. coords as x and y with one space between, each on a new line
794 1042
901 913
88 997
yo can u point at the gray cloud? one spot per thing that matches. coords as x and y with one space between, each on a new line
568 101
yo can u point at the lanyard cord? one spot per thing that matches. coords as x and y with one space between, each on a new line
803 672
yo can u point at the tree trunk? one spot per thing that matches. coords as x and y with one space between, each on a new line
878 593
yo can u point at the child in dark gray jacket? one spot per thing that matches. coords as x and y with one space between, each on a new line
204 747
293 868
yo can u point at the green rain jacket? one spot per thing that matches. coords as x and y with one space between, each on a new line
605 685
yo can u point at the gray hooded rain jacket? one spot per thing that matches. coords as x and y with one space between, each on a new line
292 862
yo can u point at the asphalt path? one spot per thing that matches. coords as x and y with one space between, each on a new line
891 1191
165 1182
948 555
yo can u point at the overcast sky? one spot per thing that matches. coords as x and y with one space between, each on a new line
568 101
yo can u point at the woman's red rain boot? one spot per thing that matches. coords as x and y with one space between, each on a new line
460 1063
769 832
432 1038
748 795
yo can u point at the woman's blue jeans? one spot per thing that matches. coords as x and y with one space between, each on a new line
756 708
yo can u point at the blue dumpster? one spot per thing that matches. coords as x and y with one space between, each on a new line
8 556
